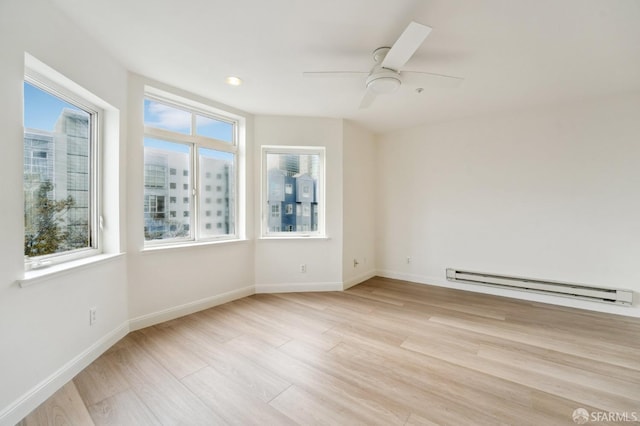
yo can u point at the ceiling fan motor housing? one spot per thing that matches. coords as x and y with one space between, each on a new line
382 81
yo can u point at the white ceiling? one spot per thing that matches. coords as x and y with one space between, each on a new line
512 53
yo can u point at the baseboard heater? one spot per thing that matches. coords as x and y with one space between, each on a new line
578 291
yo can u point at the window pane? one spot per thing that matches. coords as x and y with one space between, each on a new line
56 174
162 116
217 163
292 180
212 128
160 188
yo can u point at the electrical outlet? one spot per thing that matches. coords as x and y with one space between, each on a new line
93 312
355 263
303 268
408 260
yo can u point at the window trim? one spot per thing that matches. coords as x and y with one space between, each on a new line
195 142
70 92
320 195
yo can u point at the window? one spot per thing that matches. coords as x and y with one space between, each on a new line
172 199
172 172
60 173
201 144
154 206
293 176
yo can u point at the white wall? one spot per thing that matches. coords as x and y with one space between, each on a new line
170 282
359 207
549 193
44 329
277 261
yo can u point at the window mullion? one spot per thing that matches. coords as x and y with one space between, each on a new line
195 187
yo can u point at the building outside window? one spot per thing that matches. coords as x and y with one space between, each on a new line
201 143
60 172
293 179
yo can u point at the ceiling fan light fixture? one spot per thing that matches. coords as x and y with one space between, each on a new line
383 83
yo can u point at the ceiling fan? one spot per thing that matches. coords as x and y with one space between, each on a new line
387 75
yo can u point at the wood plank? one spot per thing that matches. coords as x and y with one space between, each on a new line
99 381
340 395
124 408
232 401
616 354
175 358
65 407
242 370
536 380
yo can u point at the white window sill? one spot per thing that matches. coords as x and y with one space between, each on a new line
190 244
294 237
38 275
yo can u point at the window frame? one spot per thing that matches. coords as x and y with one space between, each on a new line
95 163
195 142
320 232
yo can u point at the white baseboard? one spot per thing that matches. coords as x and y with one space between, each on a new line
188 308
43 390
629 311
297 287
358 279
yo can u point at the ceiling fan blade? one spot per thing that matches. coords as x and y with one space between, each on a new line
334 74
367 99
428 79
406 45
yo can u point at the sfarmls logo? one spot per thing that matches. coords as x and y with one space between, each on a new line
582 416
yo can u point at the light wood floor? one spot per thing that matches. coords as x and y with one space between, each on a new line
384 352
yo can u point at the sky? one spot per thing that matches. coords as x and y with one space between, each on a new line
167 117
41 110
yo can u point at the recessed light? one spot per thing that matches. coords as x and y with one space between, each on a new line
233 81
